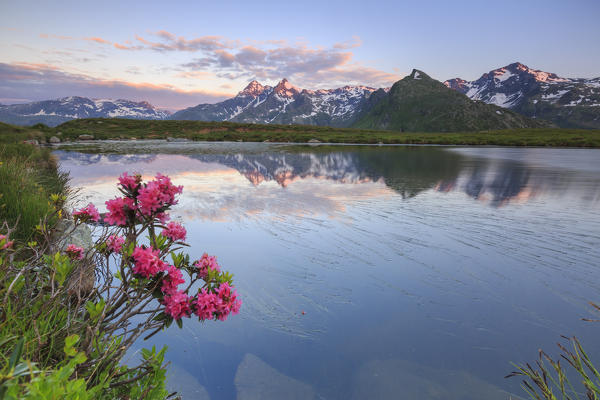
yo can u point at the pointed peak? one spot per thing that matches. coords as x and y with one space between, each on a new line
285 89
254 88
517 65
418 74
540 76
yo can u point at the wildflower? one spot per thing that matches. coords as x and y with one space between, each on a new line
167 189
117 210
4 242
75 252
218 304
130 182
229 303
114 243
147 262
87 213
174 231
205 264
206 304
177 305
157 194
173 279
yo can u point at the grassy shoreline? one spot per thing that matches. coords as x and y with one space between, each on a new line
128 129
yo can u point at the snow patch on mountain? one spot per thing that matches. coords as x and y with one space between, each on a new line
284 103
515 84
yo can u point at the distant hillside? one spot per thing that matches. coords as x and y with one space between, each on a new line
419 103
55 112
568 102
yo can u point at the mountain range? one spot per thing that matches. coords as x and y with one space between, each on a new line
55 112
419 103
514 96
567 102
285 104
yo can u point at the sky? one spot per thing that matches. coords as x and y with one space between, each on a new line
177 54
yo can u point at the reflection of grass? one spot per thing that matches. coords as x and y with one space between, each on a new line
227 131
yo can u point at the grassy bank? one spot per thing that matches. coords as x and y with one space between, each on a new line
52 342
125 129
28 176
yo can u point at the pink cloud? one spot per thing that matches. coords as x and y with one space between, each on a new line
97 40
307 66
52 36
35 82
349 44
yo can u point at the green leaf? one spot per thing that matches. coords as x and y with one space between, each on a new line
16 353
179 323
70 341
95 309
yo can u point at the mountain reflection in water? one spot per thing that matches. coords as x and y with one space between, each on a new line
408 171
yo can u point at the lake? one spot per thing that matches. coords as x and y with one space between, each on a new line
376 272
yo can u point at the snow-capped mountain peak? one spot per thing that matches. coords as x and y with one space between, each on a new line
536 94
285 104
285 89
254 89
54 112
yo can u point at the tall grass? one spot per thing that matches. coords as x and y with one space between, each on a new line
28 176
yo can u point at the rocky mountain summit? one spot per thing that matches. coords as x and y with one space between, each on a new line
285 104
568 102
419 103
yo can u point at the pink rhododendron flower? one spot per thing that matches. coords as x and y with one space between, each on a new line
129 182
162 217
173 279
167 189
218 304
157 194
205 263
229 301
87 213
177 305
147 262
174 231
7 243
206 304
114 243
117 210
75 252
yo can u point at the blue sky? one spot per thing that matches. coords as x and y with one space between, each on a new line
181 53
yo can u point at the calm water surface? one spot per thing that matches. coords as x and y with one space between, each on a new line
374 272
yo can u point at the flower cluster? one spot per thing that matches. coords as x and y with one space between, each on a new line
118 210
130 182
147 262
217 304
206 263
146 205
157 194
174 231
74 252
177 305
4 242
114 243
142 200
172 280
87 213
